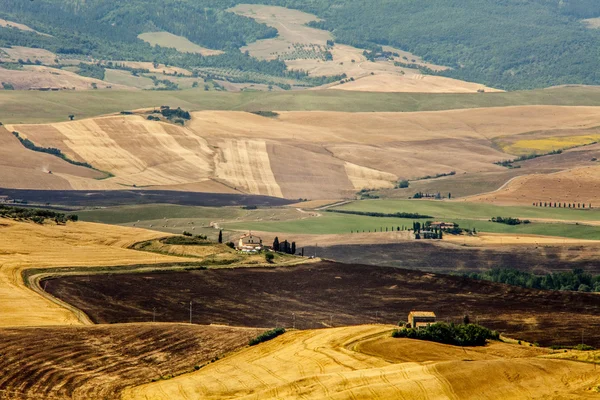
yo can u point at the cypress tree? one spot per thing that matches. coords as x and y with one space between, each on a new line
221 236
293 247
276 244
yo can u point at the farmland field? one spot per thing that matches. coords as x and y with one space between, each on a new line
316 295
166 39
364 362
43 107
455 258
98 362
465 210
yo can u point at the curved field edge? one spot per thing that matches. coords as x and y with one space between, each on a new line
42 107
326 364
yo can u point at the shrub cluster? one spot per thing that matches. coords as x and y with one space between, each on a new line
186 240
457 335
383 215
175 113
49 150
35 215
268 114
268 335
510 221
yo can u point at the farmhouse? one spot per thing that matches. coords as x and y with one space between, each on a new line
249 243
418 319
442 225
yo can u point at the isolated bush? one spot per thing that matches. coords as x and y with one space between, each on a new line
458 335
272 334
269 257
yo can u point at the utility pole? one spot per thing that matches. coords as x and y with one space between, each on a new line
190 311
153 314
294 318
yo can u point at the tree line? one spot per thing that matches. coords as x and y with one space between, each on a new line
575 280
38 216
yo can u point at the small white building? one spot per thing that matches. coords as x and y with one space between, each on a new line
249 243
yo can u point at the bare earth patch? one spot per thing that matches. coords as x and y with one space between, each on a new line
180 43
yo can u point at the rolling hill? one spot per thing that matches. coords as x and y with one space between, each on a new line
316 155
361 362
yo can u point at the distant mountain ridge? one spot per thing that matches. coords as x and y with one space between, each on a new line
509 44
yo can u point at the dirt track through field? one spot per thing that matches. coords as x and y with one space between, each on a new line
28 245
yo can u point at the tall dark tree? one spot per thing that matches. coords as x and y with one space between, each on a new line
220 236
293 247
276 244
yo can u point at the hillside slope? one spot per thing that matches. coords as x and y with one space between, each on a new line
324 364
97 362
316 155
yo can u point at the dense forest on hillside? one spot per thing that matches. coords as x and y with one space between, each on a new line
510 44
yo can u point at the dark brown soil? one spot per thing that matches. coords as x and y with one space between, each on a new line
98 362
456 259
112 198
323 294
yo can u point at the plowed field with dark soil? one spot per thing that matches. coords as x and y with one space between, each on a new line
97 362
112 198
327 293
455 259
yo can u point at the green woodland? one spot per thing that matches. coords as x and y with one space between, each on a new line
509 44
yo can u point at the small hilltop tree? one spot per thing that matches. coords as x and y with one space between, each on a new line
220 236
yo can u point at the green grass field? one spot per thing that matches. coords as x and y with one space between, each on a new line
38 107
175 219
465 210
332 223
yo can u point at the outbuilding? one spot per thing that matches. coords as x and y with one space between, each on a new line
419 319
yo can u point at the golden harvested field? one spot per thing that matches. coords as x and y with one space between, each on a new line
180 43
578 185
33 76
25 169
313 155
328 364
97 362
28 245
412 83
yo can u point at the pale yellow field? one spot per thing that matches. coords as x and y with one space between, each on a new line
150 66
28 245
11 24
592 23
578 185
312 155
493 239
328 364
180 43
18 52
39 77
412 83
